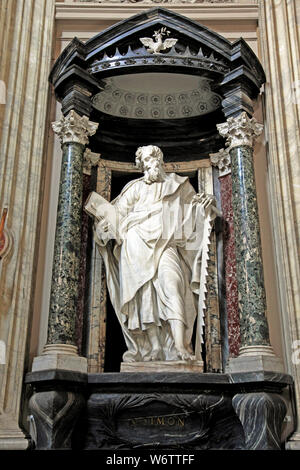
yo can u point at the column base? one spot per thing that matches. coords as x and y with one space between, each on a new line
11 436
60 356
13 443
255 358
294 442
263 350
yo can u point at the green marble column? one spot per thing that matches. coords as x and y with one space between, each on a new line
65 273
73 131
252 301
240 133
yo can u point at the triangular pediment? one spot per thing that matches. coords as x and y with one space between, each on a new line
191 36
111 78
119 50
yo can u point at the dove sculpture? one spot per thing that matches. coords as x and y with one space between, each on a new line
154 47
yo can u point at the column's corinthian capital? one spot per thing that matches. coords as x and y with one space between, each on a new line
221 160
74 128
240 130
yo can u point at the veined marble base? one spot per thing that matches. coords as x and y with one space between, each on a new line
162 366
254 363
60 361
133 410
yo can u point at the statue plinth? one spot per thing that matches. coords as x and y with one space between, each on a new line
163 366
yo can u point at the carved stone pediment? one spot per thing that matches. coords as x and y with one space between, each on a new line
119 50
82 73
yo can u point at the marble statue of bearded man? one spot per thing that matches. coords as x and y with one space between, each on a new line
154 269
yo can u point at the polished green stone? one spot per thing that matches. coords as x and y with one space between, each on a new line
65 273
251 290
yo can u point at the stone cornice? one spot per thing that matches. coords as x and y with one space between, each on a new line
74 128
118 11
240 130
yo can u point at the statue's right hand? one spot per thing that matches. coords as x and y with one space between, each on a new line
103 226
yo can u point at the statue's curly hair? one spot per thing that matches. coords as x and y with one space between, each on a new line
156 151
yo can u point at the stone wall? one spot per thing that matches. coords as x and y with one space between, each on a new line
26 32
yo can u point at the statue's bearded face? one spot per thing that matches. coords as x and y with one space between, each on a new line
152 168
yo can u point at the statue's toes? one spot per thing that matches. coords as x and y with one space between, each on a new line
185 355
155 355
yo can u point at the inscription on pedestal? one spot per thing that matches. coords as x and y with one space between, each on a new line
183 421
168 421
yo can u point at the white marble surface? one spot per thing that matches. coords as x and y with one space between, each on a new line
60 361
163 366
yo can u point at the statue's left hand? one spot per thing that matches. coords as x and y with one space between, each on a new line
205 200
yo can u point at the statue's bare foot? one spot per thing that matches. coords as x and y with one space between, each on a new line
190 350
154 355
184 355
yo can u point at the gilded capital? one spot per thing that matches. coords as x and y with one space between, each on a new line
240 130
221 160
90 159
74 128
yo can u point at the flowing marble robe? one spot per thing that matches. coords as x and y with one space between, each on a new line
162 233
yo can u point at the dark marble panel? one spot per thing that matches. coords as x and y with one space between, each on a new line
158 421
156 411
279 379
53 417
180 139
261 415
158 377
55 376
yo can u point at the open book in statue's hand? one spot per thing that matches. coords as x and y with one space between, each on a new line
104 213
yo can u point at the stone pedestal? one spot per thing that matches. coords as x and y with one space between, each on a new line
294 442
54 407
257 362
261 415
61 356
183 411
157 411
